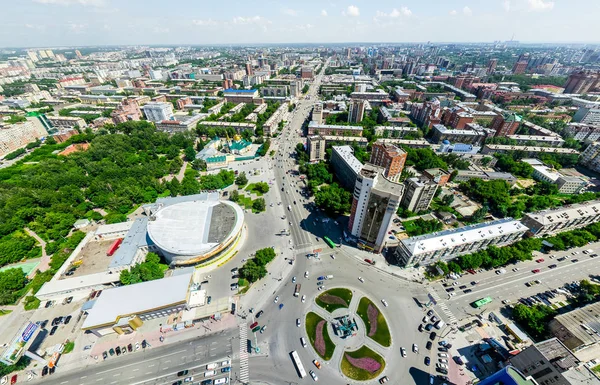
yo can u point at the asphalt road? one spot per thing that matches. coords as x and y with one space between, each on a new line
511 285
154 365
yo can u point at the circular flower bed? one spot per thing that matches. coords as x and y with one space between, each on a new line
362 364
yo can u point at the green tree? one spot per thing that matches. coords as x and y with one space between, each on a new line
234 196
259 205
189 154
241 179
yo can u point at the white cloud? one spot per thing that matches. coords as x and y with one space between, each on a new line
323 12
250 20
404 11
352 11
453 12
467 11
506 5
540 5
77 28
205 22
161 30
85 3
290 12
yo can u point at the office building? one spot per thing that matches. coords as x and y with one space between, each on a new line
390 157
506 124
316 148
589 116
374 203
580 82
158 111
550 362
18 135
508 376
345 165
356 111
418 194
317 113
564 218
590 158
445 245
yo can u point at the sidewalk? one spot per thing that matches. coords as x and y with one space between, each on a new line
81 358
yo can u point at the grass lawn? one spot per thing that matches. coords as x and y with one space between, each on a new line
342 293
4 312
312 319
596 369
69 346
359 374
409 226
382 336
245 202
251 188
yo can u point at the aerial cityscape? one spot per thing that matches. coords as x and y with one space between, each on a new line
289 193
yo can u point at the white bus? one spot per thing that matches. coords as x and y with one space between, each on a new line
298 363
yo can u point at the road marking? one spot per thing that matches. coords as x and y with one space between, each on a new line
135 370
167 361
137 363
150 372
64 382
83 376
116 375
150 365
166 367
244 375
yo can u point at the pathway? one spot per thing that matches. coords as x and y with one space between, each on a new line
45 261
244 375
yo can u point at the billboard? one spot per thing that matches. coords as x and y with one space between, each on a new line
16 348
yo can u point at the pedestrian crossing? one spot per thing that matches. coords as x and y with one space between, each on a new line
244 375
450 316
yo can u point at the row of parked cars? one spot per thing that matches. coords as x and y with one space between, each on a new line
56 322
542 298
124 349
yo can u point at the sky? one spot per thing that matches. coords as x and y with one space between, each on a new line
52 23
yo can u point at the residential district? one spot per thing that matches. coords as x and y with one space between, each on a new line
411 213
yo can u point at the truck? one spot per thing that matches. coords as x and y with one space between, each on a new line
297 290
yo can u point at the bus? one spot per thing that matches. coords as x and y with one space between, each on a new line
329 242
298 363
481 302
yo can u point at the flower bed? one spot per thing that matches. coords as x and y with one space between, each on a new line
334 299
316 329
362 365
375 323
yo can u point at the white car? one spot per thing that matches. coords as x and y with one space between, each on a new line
314 376
403 352
303 298
384 302
298 322
361 279
415 348
276 299
4 380
443 355
443 360
188 379
293 279
306 274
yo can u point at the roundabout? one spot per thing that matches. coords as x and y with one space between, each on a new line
350 332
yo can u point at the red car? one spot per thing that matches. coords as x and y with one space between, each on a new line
254 325
13 380
535 271
540 260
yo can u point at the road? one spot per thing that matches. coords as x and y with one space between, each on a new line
154 365
282 335
511 285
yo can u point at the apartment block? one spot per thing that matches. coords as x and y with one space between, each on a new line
356 111
317 113
590 158
158 111
334 130
570 217
390 157
15 136
316 148
446 245
374 204
418 194
345 165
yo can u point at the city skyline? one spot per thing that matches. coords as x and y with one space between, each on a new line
44 23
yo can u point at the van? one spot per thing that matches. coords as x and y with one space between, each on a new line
440 324
211 366
210 373
303 341
329 277
221 381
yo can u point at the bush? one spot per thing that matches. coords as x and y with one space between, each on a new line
255 268
31 303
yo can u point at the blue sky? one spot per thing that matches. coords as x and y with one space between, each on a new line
105 22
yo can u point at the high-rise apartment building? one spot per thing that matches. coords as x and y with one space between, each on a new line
581 82
356 111
389 157
506 124
316 148
590 158
317 113
374 204
519 67
15 136
249 71
158 111
492 66
418 194
345 165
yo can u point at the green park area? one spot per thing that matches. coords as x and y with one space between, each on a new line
335 299
316 329
375 323
362 364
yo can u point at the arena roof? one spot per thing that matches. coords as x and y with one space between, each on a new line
196 227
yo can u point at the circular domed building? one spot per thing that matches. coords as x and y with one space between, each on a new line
194 231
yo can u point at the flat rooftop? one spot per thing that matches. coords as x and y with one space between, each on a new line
138 298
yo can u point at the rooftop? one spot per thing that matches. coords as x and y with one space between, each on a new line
566 213
347 154
136 299
583 323
424 244
136 237
314 124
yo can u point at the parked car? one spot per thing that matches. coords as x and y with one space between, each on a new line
53 330
67 320
428 345
427 361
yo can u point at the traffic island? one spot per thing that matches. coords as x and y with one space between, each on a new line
316 329
362 364
333 299
375 323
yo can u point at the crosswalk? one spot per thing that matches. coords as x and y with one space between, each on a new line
244 375
442 304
